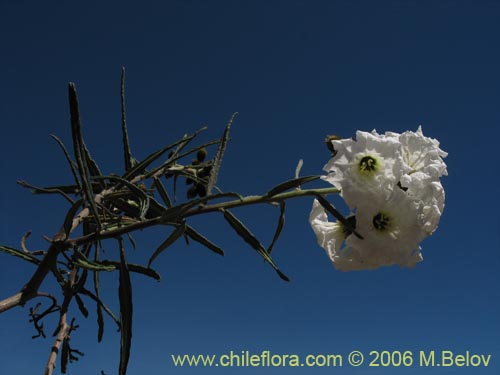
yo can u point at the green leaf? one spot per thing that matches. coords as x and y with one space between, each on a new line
83 262
100 304
214 172
100 321
176 156
279 228
81 154
138 192
296 182
20 254
140 167
174 236
81 306
71 163
180 210
137 268
92 165
132 241
68 220
127 154
162 191
59 189
126 311
39 190
249 238
329 207
196 236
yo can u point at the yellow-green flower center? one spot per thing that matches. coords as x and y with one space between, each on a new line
367 164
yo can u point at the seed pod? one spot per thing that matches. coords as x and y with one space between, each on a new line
201 190
205 172
192 192
201 154
192 172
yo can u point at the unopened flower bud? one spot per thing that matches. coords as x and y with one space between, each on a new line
328 142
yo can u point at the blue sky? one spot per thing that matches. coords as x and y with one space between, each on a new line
295 71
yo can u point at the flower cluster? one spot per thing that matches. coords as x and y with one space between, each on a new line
391 184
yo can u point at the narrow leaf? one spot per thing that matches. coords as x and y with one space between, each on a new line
127 154
132 241
174 236
67 189
39 190
68 220
214 173
138 192
249 238
81 306
140 167
80 154
83 262
100 322
196 236
137 268
287 185
20 254
329 207
91 163
71 163
279 228
98 300
126 311
162 191
177 156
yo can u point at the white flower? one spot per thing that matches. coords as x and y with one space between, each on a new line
330 235
391 231
421 153
369 166
391 234
391 182
430 196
